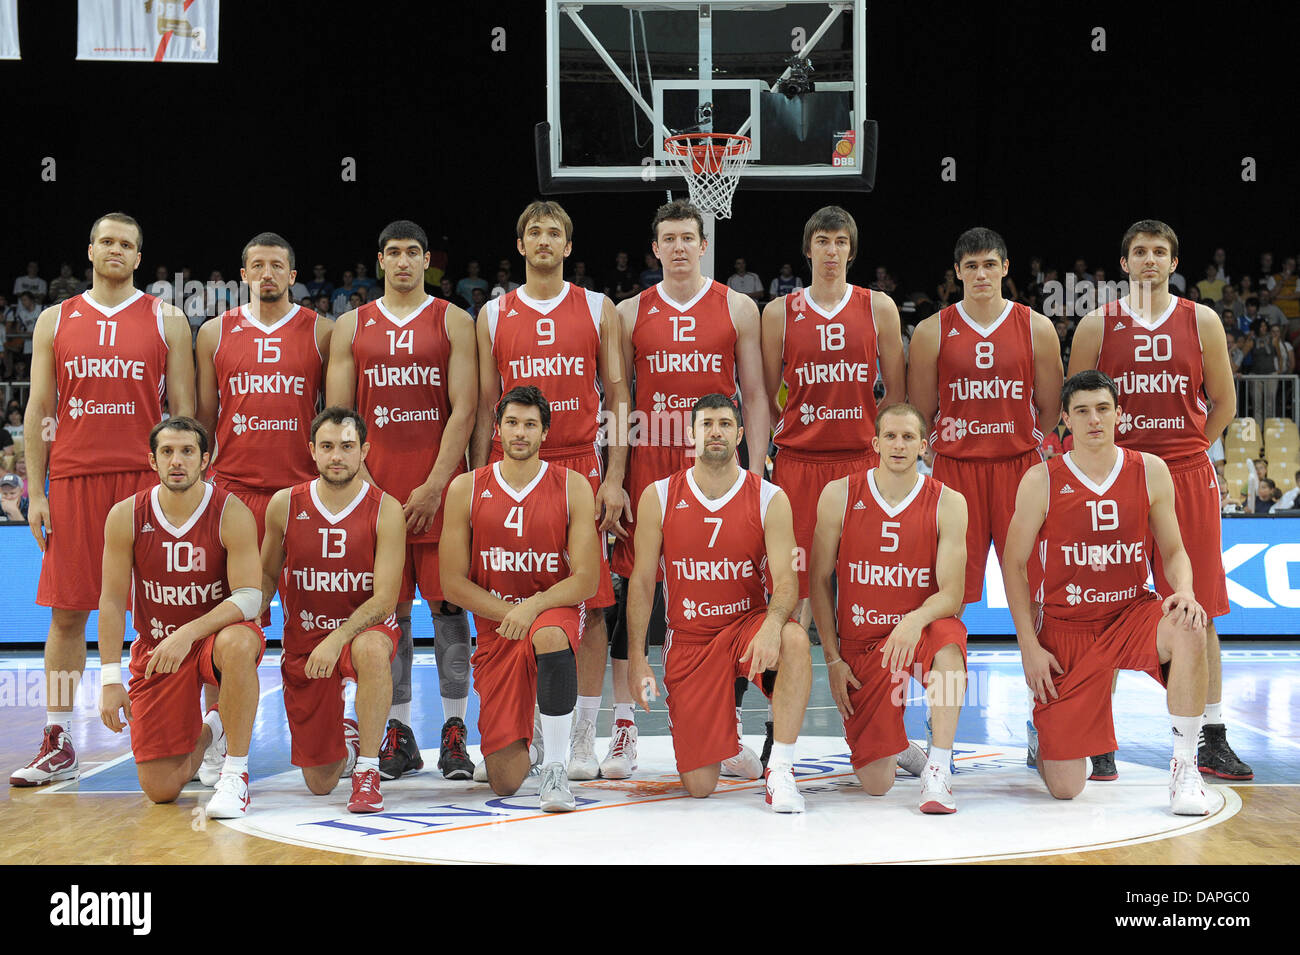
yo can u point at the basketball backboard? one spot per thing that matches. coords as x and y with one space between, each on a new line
623 75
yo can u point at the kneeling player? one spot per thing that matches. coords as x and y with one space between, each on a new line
897 541
336 546
188 551
716 529
1096 507
519 550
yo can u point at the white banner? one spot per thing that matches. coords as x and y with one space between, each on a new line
161 31
9 30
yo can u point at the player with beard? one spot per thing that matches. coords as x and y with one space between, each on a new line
519 550
408 362
720 534
334 547
567 342
187 552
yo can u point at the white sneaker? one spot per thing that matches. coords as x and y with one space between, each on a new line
352 740
214 757
537 750
582 750
744 765
231 799
913 759
1186 791
936 791
782 794
620 762
554 794
480 770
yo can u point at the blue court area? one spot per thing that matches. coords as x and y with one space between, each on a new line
1261 708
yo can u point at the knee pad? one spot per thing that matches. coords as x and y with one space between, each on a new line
451 649
401 665
557 682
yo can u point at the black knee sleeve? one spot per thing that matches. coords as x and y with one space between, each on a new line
742 684
616 622
401 665
557 682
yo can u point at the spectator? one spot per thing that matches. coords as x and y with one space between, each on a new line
1229 503
1081 273
339 300
1178 283
20 463
1264 277
503 284
1057 441
13 500
580 276
31 282
785 282
472 280
1266 496
479 300
1234 353
883 282
1246 320
355 301
218 296
1288 501
652 274
319 284
65 286
1231 303
949 291
1268 311
323 306
374 292
1220 259
1285 294
161 286
306 302
1261 468
14 424
27 312
363 281
620 283
298 291
1211 287
1245 288
447 292
504 266
745 282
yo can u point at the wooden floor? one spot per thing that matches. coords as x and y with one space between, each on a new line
100 822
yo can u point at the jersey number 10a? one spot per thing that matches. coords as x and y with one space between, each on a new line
183 557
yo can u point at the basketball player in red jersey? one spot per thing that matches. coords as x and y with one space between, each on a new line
1096 508
188 552
687 337
520 551
897 542
408 362
829 342
103 364
718 532
1168 356
987 374
334 547
566 341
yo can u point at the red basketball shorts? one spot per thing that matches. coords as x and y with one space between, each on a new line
1196 504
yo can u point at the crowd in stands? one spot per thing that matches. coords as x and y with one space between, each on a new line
1259 308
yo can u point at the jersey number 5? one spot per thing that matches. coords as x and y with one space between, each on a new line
888 532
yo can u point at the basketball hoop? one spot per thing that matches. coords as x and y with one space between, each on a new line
711 164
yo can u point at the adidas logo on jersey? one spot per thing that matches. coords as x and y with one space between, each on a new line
303 516
1067 489
237 328
680 505
593 473
511 314
859 506
953 333
76 313
1119 326
147 529
799 316
654 310
486 493
369 322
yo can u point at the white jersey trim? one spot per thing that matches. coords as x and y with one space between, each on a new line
1104 486
848 294
714 505
1173 304
550 304
106 310
402 322
684 306
901 506
268 329
766 491
493 311
977 328
519 496
661 491
324 511
185 528
596 303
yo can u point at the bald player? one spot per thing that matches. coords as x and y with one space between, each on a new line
105 364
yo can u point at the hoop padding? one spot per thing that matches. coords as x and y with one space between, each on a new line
711 164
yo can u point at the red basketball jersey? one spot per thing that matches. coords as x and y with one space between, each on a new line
830 373
886 562
519 540
680 353
714 557
269 389
110 367
986 386
1096 538
178 573
329 563
1160 374
552 345
402 395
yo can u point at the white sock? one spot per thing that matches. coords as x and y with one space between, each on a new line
366 762
588 709
625 711
1214 712
782 757
212 719
57 718
234 765
400 712
769 712
1186 731
940 757
456 708
555 736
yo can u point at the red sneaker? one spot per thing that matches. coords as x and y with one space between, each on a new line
365 792
56 760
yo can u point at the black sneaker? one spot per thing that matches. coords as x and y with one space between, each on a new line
1215 757
453 760
767 744
1103 767
398 754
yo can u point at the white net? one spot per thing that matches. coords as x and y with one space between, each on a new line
711 164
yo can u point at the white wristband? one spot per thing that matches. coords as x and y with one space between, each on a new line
110 673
